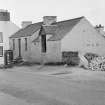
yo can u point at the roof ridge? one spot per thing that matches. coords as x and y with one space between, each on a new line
30 29
61 20
70 19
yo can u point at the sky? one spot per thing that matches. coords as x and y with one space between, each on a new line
34 10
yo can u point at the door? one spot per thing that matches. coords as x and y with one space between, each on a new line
43 42
19 47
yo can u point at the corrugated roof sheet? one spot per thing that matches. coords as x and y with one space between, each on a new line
58 29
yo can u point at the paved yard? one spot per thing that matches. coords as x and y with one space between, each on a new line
51 86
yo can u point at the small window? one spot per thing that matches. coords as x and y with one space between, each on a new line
26 44
1 37
13 44
1 51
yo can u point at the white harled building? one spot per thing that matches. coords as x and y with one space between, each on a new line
7 28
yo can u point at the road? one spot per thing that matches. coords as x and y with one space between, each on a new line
21 86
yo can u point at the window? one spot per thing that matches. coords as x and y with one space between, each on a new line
1 51
13 44
1 37
26 44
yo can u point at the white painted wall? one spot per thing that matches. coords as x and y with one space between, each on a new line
53 53
8 28
24 53
35 48
33 54
84 38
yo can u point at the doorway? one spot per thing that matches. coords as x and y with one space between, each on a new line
43 42
19 47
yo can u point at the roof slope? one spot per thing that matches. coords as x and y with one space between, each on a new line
64 27
27 31
58 29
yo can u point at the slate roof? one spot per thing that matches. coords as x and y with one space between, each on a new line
27 31
63 28
58 29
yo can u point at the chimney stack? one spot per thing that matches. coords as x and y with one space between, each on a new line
26 23
100 28
4 15
49 20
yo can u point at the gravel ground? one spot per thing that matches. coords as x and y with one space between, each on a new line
51 85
